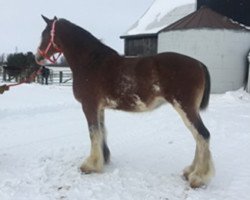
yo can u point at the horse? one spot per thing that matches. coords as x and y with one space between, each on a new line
104 79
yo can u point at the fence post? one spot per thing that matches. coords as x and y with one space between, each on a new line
4 74
60 77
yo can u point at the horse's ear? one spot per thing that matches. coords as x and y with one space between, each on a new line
46 19
55 18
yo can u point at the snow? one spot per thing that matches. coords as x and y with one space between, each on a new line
59 69
161 14
44 139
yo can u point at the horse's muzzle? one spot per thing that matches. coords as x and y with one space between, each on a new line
39 59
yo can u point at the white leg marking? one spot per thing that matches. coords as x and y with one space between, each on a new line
95 162
202 169
189 169
156 88
140 106
111 103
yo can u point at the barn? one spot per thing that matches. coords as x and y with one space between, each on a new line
198 31
142 38
215 40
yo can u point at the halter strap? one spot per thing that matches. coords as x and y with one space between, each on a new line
51 44
26 80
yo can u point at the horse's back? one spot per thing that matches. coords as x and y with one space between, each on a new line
176 61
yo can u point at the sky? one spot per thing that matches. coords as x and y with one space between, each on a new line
21 23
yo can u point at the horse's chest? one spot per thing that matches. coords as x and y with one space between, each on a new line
82 89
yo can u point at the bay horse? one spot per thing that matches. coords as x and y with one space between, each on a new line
104 79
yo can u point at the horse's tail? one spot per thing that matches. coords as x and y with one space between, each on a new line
206 94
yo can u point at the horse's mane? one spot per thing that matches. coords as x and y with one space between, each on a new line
83 37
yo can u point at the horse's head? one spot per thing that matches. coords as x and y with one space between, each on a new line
48 47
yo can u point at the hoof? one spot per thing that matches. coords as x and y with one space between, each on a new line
195 181
198 177
92 166
187 171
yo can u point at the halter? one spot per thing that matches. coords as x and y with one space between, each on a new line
51 44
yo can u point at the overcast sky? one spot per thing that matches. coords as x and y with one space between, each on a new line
21 23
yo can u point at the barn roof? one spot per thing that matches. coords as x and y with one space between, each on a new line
205 18
161 14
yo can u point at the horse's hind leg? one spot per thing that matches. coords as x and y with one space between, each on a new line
95 161
201 170
188 170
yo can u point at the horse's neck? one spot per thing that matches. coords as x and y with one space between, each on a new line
82 49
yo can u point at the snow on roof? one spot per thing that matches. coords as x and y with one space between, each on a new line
161 14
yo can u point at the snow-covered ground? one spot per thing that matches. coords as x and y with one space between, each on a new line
44 139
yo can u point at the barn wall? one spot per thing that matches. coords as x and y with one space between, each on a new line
143 46
224 52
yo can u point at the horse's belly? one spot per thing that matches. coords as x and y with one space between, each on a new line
141 106
135 104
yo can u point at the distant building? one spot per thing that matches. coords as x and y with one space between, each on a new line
215 40
142 38
219 42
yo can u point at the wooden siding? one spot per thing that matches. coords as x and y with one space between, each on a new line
143 46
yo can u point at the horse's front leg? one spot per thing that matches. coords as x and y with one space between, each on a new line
106 152
95 161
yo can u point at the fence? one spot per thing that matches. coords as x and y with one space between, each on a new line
248 77
57 76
